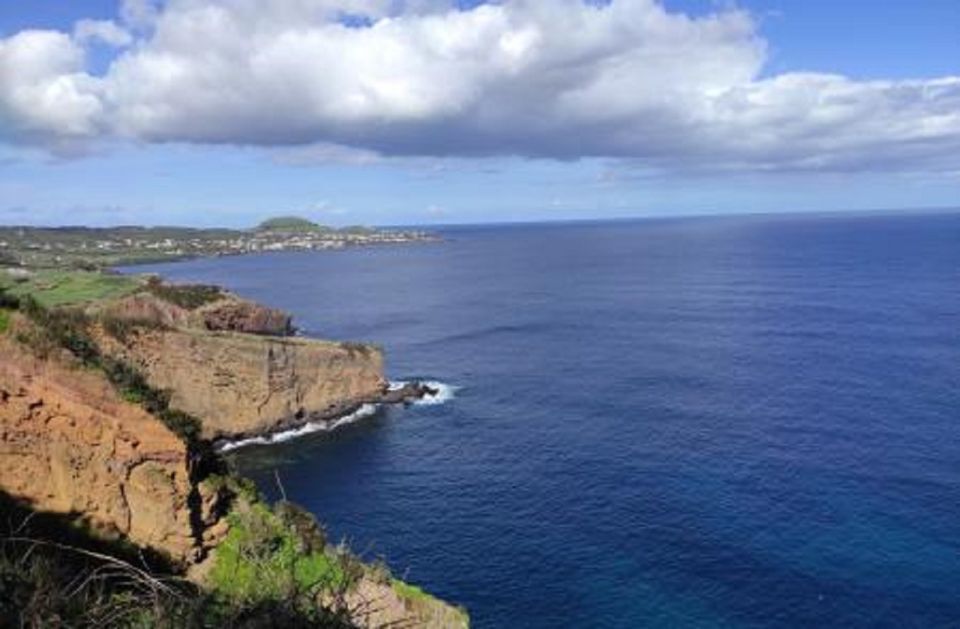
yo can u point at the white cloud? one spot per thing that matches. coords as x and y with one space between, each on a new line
537 78
104 31
139 14
45 95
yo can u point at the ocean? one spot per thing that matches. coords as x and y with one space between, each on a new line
690 422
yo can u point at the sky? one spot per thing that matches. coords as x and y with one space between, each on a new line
398 112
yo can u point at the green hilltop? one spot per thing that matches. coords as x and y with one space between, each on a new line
290 224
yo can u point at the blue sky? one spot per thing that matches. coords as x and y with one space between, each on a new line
454 140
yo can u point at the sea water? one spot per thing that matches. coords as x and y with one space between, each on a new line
709 422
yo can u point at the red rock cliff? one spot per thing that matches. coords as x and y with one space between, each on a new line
70 445
244 383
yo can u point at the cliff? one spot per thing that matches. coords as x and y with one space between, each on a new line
242 383
70 445
106 417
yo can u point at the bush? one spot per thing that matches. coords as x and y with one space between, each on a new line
122 328
265 560
51 575
61 328
303 525
189 296
182 424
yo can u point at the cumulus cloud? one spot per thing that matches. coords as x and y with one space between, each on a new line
45 94
102 31
560 79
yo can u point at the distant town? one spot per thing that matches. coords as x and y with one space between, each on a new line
97 248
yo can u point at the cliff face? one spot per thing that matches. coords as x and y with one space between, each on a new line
69 445
240 383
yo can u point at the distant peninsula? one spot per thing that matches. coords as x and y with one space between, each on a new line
93 248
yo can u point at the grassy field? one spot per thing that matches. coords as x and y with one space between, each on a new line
61 288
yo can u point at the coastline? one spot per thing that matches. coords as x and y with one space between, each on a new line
416 392
111 247
134 262
176 495
396 394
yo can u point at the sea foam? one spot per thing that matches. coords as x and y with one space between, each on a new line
444 393
365 410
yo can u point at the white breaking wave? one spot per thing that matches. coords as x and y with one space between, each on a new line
366 410
444 393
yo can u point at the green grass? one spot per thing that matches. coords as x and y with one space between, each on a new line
63 288
264 559
410 592
4 320
49 578
414 595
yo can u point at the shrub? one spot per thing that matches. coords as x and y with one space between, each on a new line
122 328
303 525
53 329
189 296
52 575
182 424
264 560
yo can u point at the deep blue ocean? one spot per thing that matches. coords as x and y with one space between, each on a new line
698 422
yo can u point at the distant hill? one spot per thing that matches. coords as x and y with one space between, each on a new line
290 224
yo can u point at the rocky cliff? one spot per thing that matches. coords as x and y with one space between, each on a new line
243 383
76 437
70 445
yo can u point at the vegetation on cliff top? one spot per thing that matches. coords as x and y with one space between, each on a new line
54 575
56 329
275 569
280 554
59 288
189 296
274 566
54 289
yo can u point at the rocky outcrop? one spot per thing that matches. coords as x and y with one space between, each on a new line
70 445
226 313
240 384
233 315
378 604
